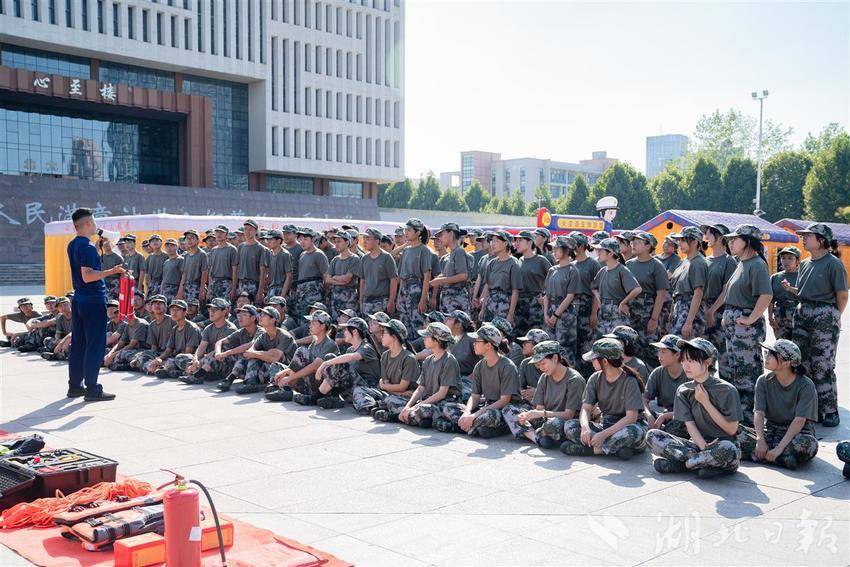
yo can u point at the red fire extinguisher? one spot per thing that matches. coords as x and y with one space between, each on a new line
126 285
182 525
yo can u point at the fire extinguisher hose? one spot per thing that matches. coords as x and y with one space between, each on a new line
215 517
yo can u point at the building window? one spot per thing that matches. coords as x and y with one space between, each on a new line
45 62
318 102
297 143
133 76
359 149
308 101
225 30
187 45
329 104
116 31
348 149
328 147
285 75
328 61
16 9
173 31
296 66
396 114
238 16
99 16
386 113
69 20
349 189
34 10
250 27
285 11
348 65
318 57
359 60
396 154
199 18
212 27
289 184
131 19
274 73
377 112
368 110
339 148
377 152
84 12
318 15
359 109
386 153
348 110
307 13
368 49
274 140
159 38
339 63
308 144
329 18
318 141
308 57
262 31
522 180
286 151
359 25
145 23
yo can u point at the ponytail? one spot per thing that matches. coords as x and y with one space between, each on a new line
405 344
424 235
830 246
620 363
504 347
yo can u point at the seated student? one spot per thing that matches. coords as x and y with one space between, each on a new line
180 350
616 390
786 407
24 313
301 331
495 389
711 410
418 344
438 384
140 305
507 330
296 381
195 315
376 321
529 374
114 324
661 387
260 361
37 328
344 316
159 331
399 371
359 365
463 349
843 451
631 340
557 398
133 341
204 365
228 351
56 347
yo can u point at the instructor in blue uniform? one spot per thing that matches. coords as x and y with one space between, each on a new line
88 311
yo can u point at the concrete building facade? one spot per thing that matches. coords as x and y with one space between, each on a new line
526 174
477 165
661 150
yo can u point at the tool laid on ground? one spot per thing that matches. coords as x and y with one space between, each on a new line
65 470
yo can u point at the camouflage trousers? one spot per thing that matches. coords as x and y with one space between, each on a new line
465 388
424 415
681 306
565 331
715 333
584 334
498 304
741 364
529 314
169 291
343 377
843 451
218 367
273 291
365 398
307 294
454 297
113 287
552 427
641 312
221 287
154 288
630 437
300 360
664 318
490 418
343 297
124 357
783 316
677 428
803 446
408 306
720 454
252 370
372 305
816 329
250 287
31 340
142 358
191 290
609 316
50 346
176 366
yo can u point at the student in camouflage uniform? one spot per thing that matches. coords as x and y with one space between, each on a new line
172 271
614 288
562 285
721 265
193 284
786 406
108 260
114 324
140 305
184 340
528 372
378 276
822 291
133 341
341 279
452 282
224 266
542 238
38 327
463 349
290 243
502 280
587 268
482 255
398 374
359 366
227 348
688 284
629 338
534 268
264 358
646 308
152 272
57 346
159 331
312 266
414 271
23 315
781 313
624 239
438 385
133 261
616 390
711 411
660 393
278 267
746 297
670 259
252 264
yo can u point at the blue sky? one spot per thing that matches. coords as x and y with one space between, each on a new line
562 79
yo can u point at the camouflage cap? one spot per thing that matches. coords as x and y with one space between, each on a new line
480 234
504 235
159 298
626 235
62 299
387 238
274 233
399 231
209 236
474 231
353 233
130 237
221 228
348 313
318 306
139 293
503 325
436 316
24 301
692 232
580 238
563 241
304 231
647 237
670 342
373 233
113 303
357 323
610 245
604 348
277 300
239 230
719 227
191 232
784 349
288 228
623 333
218 303
453 226
271 312
415 224
817 228
244 294
249 309
170 241
525 235
319 316
353 227
749 230
438 331
793 250
396 327
379 316
543 231
488 333
155 237
535 336
342 234
461 317
702 344
546 348
251 222
144 243
599 236
49 299
180 304
262 235
231 235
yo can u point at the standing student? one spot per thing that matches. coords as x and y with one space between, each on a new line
670 259
452 283
193 284
109 259
786 405
781 312
252 264
153 265
557 398
341 279
224 267
614 288
822 291
542 238
378 277
291 244
688 284
534 269
587 268
312 266
646 308
563 283
624 239
615 390
664 381
711 411
482 255
746 297
133 261
358 366
502 280
399 372
172 271
721 266
414 271
278 267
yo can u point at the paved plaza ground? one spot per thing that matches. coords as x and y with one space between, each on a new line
384 494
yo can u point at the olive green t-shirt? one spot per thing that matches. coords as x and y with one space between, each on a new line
321 349
534 270
661 387
640 367
720 269
153 265
369 365
414 262
135 263
394 369
19 317
251 257
212 334
560 282
340 266
239 338
615 284
183 340
138 331
650 275
159 334
281 341
295 251
109 261
62 326
222 259
749 281
781 405
670 263
613 398
819 280
587 270
493 382
456 263
172 270
438 373
723 395
279 265
504 275
560 396
376 274
193 266
779 293
464 354
312 265
529 375
690 275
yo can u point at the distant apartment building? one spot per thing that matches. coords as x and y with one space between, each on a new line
526 174
661 150
477 165
450 179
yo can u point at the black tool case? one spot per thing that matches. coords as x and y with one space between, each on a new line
16 485
66 470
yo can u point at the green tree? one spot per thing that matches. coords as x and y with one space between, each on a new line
397 195
827 188
476 198
451 200
628 185
702 185
505 207
739 186
782 181
578 198
668 191
382 192
816 144
517 204
426 193
542 198
722 136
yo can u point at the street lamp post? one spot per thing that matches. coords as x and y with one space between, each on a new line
759 97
